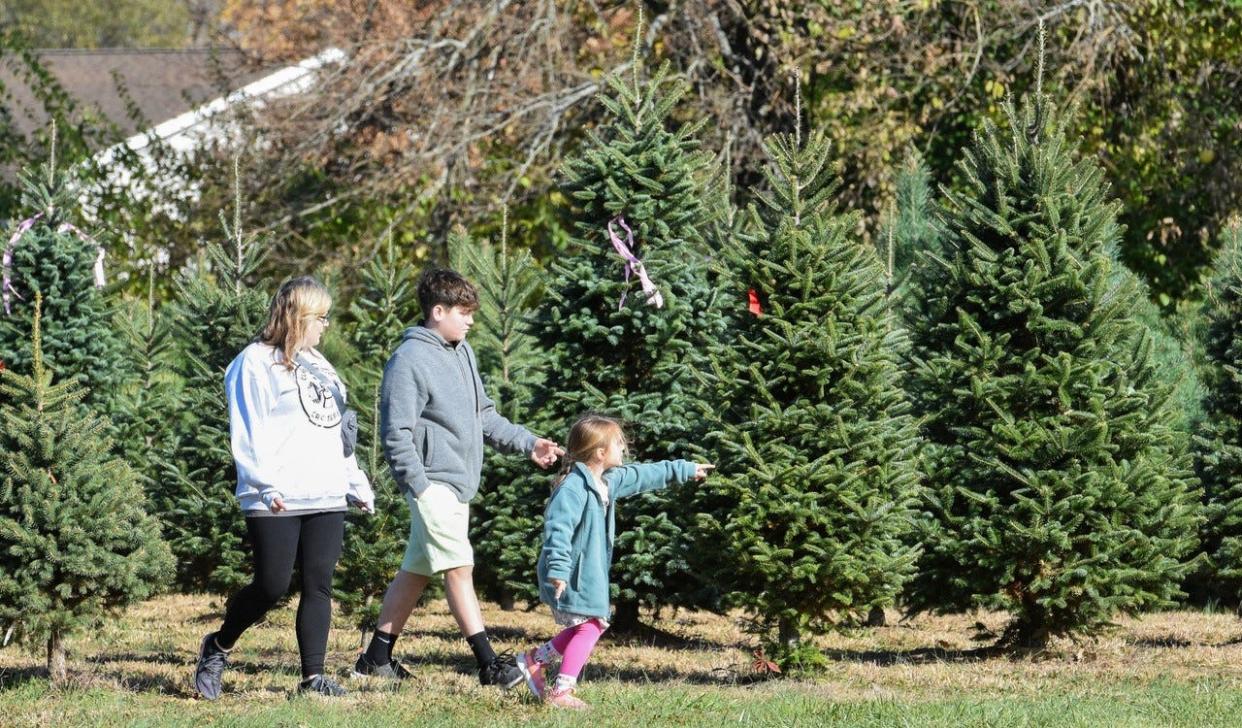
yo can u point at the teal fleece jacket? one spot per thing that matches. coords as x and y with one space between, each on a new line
578 532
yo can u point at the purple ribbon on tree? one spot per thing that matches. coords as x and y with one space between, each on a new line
625 248
6 262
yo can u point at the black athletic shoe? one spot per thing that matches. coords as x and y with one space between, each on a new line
502 672
392 671
320 686
211 663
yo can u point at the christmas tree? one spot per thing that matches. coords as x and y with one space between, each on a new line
75 542
507 515
1218 448
1058 489
385 304
146 405
47 254
910 236
218 311
1173 346
815 447
630 352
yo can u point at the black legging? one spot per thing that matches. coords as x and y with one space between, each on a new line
314 542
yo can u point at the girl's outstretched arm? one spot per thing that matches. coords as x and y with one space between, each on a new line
628 480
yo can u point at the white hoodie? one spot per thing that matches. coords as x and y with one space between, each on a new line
285 432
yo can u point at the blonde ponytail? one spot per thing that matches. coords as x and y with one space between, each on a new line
589 432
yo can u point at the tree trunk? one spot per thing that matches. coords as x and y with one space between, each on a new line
56 659
788 635
876 618
508 602
1030 630
625 618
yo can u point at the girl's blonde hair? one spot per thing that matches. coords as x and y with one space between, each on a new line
589 433
298 302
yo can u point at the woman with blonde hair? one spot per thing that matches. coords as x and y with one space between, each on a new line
296 475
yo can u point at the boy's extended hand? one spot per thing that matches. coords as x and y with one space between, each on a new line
702 469
545 453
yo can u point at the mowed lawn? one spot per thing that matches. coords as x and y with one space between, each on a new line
1175 669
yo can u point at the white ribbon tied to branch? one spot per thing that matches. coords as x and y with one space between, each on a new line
625 248
6 263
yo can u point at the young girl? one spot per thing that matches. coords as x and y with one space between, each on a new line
578 532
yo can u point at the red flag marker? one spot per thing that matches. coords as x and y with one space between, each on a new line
755 306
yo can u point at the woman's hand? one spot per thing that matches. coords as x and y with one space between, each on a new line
558 585
702 469
278 505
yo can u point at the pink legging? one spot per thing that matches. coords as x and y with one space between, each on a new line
575 645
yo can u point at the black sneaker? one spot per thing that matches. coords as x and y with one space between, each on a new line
502 672
211 663
320 686
392 671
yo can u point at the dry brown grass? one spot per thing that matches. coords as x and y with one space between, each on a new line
152 648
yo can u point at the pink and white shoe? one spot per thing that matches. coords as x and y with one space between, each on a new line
532 670
558 698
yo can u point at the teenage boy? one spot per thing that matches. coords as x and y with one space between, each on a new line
434 419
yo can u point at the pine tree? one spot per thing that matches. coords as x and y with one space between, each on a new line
634 359
817 476
146 405
910 236
507 514
54 258
1173 347
1218 447
218 311
1058 489
75 542
386 303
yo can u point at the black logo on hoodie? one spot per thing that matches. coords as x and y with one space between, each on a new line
317 401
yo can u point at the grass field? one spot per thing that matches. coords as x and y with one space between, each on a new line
1175 669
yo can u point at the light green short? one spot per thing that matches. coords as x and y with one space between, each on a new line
439 532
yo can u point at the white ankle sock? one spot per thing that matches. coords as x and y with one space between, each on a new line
545 653
566 682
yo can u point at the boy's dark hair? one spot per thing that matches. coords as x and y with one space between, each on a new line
445 287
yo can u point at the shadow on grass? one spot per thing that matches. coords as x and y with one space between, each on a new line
186 660
718 677
13 678
644 635
144 683
1159 642
496 632
463 664
919 656
211 616
156 658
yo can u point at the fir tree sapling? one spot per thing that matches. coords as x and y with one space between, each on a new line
218 310
76 544
634 359
817 480
385 304
49 255
508 513
1058 488
1218 446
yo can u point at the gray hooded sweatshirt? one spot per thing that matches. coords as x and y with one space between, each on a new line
434 416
